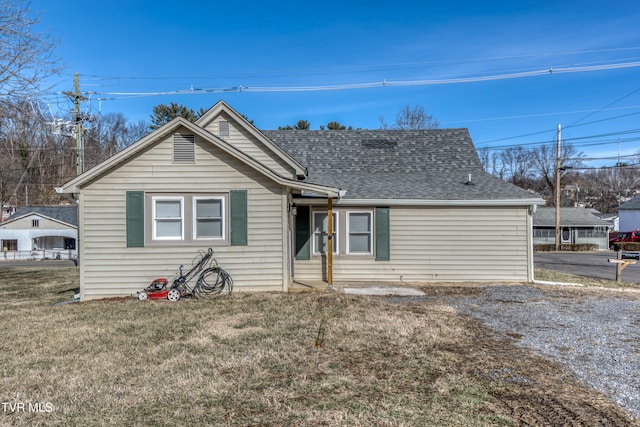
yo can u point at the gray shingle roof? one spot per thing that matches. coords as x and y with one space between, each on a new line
633 204
396 164
68 214
569 217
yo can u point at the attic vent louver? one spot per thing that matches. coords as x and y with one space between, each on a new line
184 148
379 143
223 128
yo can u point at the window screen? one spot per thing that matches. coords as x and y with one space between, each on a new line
168 218
359 232
209 218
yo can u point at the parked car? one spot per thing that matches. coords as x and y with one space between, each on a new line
613 236
625 236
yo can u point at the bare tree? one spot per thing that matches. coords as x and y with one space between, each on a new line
517 165
411 118
110 134
26 62
545 160
33 160
29 156
26 57
491 161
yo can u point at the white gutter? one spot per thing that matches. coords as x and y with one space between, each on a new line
419 202
71 196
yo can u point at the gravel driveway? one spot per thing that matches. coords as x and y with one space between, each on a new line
594 332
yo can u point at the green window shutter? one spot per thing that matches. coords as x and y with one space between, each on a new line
239 217
303 233
383 251
135 219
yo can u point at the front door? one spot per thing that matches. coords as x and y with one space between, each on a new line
566 235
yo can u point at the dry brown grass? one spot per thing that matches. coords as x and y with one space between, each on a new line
259 359
558 276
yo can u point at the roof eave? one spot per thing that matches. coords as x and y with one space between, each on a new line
74 186
18 218
428 202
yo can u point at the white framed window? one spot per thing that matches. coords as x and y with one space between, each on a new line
35 223
168 218
208 218
320 232
360 232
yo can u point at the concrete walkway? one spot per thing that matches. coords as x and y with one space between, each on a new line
355 289
382 291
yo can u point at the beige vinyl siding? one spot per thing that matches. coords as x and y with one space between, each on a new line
440 244
109 268
244 141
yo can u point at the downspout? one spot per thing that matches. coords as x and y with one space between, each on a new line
330 243
530 264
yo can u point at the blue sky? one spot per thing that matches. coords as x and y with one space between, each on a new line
132 54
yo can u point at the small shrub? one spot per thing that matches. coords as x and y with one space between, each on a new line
627 246
566 247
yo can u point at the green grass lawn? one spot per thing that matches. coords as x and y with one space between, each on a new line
253 359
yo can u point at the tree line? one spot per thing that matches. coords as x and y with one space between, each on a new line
34 158
37 154
602 188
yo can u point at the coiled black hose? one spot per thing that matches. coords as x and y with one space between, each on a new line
211 279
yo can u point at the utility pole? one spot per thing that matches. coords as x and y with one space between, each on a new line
558 159
76 97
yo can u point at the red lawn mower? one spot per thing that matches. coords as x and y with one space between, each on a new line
211 280
159 289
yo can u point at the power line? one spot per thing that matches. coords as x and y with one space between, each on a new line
603 108
359 68
626 166
378 84
551 130
578 144
528 116
588 159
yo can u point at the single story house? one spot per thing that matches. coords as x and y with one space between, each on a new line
40 232
285 206
577 226
629 214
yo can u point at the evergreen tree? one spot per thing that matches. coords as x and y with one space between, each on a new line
163 113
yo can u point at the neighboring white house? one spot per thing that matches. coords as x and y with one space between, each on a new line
40 232
405 206
612 218
629 214
577 226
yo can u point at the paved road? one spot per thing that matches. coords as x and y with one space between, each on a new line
590 264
